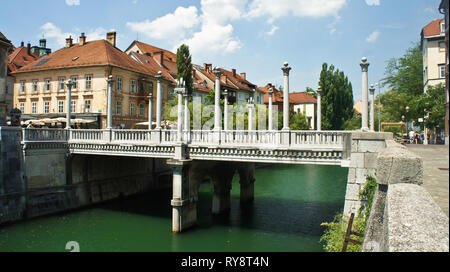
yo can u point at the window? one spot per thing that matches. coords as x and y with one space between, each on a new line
75 82
119 84
132 109
22 86
441 70
47 85
88 82
35 87
61 106
73 106
118 107
87 106
441 46
425 74
33 107
442 27
61 83
22 107
133 86
46 107
141 109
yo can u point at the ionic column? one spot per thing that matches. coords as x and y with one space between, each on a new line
150 111
159 98
184 207
286 70
250 107
69 85
187 116
319 108
225 109
372 107
180 116
270 109
364 120
110 116
217 113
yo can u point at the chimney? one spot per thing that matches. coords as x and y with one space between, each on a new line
111 38
22 44
244 76
29 49
207 67
159 56
43 43
234 72
82 39
69 42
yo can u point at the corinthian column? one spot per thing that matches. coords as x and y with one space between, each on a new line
365 112
159 99
217 113
270 93
372 107
319 109
109 117
286 70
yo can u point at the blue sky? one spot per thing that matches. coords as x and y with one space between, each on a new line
252 36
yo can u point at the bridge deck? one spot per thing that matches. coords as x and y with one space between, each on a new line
318 147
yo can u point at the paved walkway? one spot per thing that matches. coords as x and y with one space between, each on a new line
435 180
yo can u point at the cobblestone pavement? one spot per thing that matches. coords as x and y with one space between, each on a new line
435 180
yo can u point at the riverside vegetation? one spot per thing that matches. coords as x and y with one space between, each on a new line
334 235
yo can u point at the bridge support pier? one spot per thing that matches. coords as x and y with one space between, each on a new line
184 204
247 182
222 177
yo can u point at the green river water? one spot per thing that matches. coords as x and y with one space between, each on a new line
291 201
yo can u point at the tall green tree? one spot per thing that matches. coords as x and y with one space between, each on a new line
184 67
337 98
404 79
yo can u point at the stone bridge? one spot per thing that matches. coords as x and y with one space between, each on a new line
194 155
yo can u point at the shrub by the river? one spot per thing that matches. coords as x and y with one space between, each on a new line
334 236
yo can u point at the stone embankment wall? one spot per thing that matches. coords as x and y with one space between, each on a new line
40 181
363 162
404 216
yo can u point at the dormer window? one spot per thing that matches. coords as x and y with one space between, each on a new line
204 84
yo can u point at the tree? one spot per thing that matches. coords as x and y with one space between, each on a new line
432 101
184 67
311 92
404 78
337 98
298 121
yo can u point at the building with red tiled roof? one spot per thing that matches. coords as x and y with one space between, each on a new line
40 88
239 87
5 98
299 102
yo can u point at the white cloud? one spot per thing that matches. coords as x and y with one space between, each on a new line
212 39
373 36
57 38
222 11
73 2
170 26
298 8
272 30
373 2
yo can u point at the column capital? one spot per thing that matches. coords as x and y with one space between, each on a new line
217 73
372 89
225 93
364 64
159 76
319 91
286 69
180 90
110 79
150 96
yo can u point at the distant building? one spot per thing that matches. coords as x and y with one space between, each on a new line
434 48
444 9
40 87
5 47
240 89
305 104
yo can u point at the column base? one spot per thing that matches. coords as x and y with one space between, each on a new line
184 215
221 202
